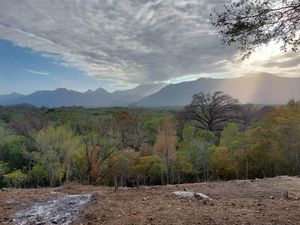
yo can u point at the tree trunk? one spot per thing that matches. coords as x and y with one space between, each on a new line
115 183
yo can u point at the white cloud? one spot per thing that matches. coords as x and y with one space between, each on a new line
127 41
37 72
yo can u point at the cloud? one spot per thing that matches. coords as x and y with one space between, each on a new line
128 41
37 72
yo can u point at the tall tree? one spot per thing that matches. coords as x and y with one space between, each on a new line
97 148
246 115
195 148
211 112
55 147
130 126
165 145
256 22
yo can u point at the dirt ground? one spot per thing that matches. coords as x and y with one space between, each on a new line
262 201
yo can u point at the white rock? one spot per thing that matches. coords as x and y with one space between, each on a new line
191 194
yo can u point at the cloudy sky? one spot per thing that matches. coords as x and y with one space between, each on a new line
80 45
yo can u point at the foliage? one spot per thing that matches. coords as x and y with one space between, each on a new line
55 146
129 146
16 178
195 148
39 175
165 145
256 22
150 168
222 164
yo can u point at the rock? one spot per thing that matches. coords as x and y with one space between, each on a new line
193 195
62 210
271 197
202 196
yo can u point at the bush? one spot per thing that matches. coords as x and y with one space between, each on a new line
39 175
16 178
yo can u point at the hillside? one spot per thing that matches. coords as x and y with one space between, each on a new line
260 89
233 202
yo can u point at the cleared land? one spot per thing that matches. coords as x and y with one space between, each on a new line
263 201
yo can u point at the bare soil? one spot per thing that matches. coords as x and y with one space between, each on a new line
262 201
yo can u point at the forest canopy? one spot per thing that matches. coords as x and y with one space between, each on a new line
215 137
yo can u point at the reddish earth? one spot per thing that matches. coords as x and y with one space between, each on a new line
263 201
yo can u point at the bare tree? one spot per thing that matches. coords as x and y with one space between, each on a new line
93 135
28 125
130 126
211 112
246 115
256 22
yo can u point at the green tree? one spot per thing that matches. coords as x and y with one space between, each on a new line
196 147
55 146
2 172
16 178
223 166
39 175
151 169
239 145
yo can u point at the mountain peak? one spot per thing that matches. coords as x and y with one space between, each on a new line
100 90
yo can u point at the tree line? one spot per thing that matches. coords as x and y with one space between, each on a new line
214 137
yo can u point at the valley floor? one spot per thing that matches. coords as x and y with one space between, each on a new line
262 201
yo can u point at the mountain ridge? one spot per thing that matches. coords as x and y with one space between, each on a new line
257 89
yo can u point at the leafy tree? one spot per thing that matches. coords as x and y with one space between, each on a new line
16 178
2 172
195 148
39 175
123 166
223 166
284 121
2 168
266 153
151 168
239 146
55 146
11 151
256 22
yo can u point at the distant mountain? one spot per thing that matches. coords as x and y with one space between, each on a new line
259 89
134 95
10 97
98 98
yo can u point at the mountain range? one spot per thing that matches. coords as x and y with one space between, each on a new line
258 89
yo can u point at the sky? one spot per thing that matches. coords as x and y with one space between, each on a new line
116 45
